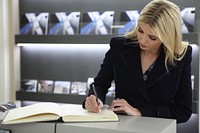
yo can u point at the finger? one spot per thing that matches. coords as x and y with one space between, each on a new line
120 104
91 104
100 105
113 105
88 103
94 101
120 100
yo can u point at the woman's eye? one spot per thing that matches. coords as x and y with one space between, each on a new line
140 30
153 38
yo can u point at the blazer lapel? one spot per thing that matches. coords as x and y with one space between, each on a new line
159 70
132 61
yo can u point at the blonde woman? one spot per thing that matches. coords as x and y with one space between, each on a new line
151 67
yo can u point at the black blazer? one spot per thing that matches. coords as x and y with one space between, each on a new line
165 94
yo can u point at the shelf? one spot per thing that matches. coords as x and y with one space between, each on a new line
82 39
52 97
63 39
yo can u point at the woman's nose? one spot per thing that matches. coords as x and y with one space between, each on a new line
144 38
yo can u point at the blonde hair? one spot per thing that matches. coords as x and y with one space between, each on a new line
164 18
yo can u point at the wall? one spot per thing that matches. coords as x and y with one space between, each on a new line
8 51
4 68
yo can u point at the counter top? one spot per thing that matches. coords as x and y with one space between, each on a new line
126 124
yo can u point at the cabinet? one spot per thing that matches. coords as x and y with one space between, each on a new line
63 64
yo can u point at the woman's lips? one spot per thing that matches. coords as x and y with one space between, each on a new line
142 46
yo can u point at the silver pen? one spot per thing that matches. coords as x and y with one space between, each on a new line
95 93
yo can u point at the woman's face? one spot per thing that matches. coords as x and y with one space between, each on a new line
148 41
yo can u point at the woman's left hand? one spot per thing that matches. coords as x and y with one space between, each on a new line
122 106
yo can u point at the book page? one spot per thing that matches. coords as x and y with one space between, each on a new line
35 118
33 110
75 113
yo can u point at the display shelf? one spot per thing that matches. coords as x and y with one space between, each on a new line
52 97
81 39
63 39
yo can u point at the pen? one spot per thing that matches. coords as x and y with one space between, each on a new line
95 93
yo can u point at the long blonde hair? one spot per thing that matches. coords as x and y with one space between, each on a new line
164 18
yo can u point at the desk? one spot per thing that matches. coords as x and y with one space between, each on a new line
126 124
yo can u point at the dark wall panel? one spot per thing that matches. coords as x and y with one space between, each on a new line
89 5
74 63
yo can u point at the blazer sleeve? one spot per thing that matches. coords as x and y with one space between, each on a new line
181 109
104 78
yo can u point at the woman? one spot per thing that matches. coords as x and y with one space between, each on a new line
151 67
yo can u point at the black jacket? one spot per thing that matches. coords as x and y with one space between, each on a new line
165 94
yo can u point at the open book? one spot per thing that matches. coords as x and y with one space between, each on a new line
49 111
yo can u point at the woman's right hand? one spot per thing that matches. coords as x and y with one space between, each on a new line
91 104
